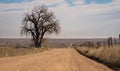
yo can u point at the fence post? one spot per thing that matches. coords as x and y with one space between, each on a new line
119 39
109 40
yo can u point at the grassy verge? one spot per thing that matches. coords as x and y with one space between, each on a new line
9 51
110 56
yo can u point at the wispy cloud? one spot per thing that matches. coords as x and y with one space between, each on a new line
14 1
77 18
11 10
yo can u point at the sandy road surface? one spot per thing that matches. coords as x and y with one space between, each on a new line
62 59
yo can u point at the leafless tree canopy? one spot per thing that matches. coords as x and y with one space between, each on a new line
39 22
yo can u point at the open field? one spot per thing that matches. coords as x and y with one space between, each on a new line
24 41
58 59
107 55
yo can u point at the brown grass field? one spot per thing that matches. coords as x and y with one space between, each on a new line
107 55
10 51
63 59
57 59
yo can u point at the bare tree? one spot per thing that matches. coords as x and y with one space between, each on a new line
39 22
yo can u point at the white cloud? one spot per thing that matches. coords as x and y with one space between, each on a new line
80 20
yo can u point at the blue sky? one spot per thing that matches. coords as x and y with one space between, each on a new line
14 1
98 1
71 2
78 18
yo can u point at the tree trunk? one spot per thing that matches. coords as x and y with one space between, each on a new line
41 38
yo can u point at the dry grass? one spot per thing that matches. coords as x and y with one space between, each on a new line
106 55
8 51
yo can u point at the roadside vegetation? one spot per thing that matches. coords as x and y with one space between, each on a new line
107 55
9 51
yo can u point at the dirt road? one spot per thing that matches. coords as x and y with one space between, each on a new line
62 59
